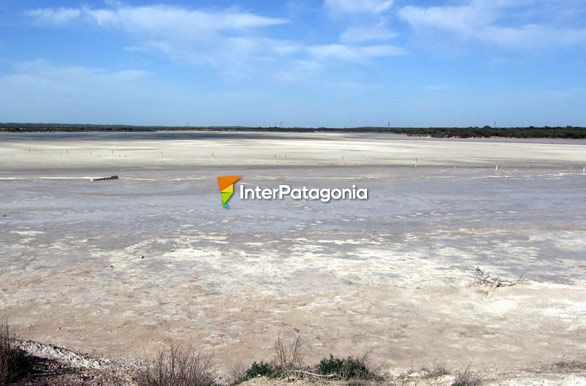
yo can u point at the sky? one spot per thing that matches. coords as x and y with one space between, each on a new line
335 63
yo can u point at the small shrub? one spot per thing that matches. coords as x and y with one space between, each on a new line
177 366
15 364
438 370
347 369
331 365
262 369
466 378
288 357
566 364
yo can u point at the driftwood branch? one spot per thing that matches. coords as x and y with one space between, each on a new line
487 280
311 374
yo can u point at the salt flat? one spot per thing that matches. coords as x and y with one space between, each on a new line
118 267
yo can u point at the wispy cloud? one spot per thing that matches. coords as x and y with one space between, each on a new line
226 38
55 15
45 71
234 40
353 53
363 33
531 36
159 19
173 20
340 7
505 23
365 36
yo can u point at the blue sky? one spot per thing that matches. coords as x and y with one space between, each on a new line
296 63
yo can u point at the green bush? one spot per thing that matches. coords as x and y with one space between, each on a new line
349 368
261 369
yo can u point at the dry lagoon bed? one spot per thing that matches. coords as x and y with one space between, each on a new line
117 268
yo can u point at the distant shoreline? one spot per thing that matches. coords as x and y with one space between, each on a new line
567 132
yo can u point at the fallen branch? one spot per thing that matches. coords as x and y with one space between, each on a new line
94 179
487 280
311 374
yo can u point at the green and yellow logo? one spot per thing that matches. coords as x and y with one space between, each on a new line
226 185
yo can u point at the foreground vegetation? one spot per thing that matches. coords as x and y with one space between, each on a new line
437 132
14 363
177 365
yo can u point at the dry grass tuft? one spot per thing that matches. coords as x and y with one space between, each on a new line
466 378
288 357
438 370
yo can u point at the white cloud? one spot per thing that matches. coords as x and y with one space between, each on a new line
533 36
358 6
55 15
298 7
236 41
462 19
230 38
163 19
359 54
505 23
365 37
158 18
43 70
365 33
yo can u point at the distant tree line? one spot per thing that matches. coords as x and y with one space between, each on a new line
437 132
507 132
